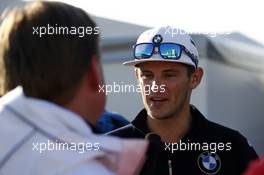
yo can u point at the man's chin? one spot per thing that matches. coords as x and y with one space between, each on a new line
158 115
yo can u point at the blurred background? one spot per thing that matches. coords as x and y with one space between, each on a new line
230 40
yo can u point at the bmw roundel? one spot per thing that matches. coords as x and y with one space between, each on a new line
209 163
157 39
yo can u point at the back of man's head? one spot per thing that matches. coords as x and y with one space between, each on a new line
47 47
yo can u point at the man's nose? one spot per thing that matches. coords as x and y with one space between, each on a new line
155 85
157 81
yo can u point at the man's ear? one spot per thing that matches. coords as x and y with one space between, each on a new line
196 77
95 75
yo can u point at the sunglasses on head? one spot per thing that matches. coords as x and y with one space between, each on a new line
166 50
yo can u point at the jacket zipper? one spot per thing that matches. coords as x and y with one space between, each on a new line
170 167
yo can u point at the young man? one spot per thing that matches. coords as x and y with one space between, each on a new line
45 123
166 63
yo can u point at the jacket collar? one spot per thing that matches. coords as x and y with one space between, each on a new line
197 123
57 122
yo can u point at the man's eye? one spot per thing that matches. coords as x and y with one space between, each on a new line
146 75
170 75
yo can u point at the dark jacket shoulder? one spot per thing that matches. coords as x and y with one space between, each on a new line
128 131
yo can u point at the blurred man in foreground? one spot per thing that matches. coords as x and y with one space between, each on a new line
51 50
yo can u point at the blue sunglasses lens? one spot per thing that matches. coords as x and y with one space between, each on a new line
170 51
143 50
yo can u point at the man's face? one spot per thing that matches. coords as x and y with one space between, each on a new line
174 88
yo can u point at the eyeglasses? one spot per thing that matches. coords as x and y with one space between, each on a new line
166 50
